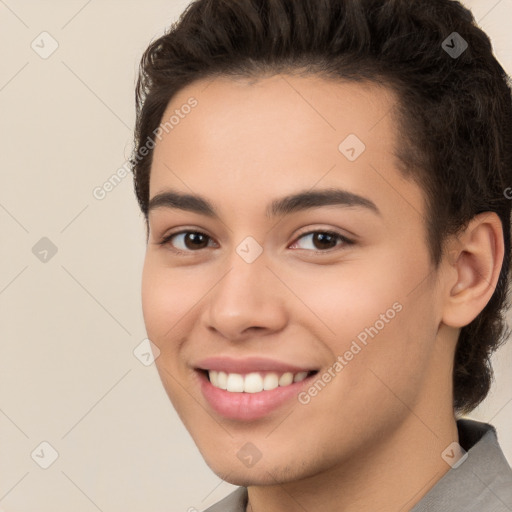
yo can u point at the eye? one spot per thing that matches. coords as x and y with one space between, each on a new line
317 241
322 241
186 241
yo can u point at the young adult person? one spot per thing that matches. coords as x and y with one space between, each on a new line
324 184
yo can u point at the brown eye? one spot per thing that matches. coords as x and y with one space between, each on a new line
186 241
195 240
322 241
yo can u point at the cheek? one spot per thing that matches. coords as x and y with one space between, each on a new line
377 316
156 300
167 298
395 357
345 300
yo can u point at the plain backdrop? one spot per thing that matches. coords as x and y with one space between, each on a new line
70 311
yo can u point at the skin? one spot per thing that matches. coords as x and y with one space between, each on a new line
373 437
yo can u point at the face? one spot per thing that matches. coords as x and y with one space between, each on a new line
298 276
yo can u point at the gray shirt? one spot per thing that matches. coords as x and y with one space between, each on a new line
482 483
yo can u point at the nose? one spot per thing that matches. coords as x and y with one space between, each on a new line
248 301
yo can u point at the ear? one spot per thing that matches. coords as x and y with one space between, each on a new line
474 258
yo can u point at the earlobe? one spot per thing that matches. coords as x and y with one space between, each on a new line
477 263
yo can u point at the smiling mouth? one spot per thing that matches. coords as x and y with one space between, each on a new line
254 382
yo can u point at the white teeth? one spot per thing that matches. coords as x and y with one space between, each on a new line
214 378
235 382
299 377
270 381
286 379
253 382
222 380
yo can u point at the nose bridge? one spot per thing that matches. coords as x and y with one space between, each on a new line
247 273
243 298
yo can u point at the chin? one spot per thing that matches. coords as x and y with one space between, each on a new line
262 473
247 478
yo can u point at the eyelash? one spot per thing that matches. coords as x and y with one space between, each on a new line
345 241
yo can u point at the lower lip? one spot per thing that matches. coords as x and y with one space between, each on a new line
248 406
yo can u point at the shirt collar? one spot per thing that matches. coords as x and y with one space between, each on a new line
482 482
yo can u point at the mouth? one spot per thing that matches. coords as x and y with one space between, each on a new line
252 389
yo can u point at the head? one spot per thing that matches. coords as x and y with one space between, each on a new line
247 103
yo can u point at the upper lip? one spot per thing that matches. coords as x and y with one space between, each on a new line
248 365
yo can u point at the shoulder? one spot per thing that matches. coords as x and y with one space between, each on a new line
234 502
481 483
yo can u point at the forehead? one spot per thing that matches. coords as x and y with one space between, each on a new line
249 136
280 110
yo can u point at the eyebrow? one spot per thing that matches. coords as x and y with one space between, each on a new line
279 207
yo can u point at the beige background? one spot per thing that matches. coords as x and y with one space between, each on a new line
69 326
